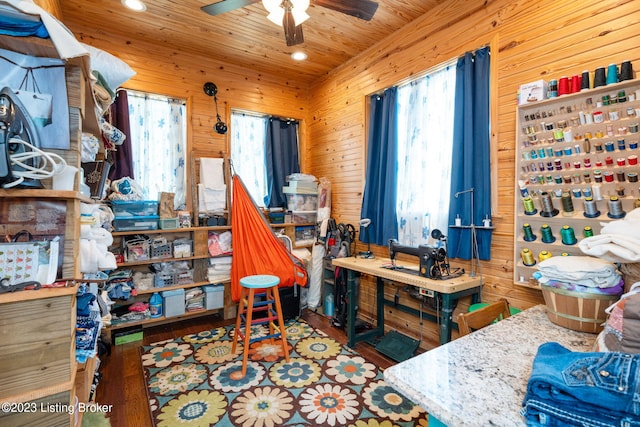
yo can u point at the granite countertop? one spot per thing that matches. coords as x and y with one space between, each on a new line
481 379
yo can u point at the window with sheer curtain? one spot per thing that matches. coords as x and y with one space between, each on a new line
248 152
159 130
425 139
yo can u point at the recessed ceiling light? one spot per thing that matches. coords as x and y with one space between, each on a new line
299 56
136 5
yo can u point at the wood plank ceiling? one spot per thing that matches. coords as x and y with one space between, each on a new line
245 36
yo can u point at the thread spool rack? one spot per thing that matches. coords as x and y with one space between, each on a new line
576 167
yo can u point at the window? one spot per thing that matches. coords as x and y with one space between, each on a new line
425 139
158 136
429 141
248 152
264 151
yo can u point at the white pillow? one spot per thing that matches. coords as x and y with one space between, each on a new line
113 70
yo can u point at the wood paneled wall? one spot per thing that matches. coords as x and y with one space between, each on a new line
529 41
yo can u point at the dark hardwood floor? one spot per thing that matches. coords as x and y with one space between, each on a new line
122 383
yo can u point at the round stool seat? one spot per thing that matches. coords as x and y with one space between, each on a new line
260 281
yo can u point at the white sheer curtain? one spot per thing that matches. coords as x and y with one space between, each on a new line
425 137
158 144
248 145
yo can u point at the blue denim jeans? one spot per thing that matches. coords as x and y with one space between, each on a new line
583 389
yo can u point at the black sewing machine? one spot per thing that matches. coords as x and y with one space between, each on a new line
434 262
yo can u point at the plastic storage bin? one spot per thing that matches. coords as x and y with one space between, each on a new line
214 296
304 217
125 208
302 202
138 223
173 302
168 223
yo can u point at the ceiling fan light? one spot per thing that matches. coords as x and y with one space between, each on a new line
276 16
299 10
299 15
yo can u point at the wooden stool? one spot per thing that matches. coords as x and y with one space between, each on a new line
248 306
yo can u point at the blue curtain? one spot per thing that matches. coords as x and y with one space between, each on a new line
379 200
470 166
281 158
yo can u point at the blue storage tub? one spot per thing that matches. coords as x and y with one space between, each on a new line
136 223
125 208
214 296
173 302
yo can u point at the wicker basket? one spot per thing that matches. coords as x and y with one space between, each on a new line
630 274
577 310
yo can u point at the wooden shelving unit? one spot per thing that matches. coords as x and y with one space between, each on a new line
554 172
37 354
199 262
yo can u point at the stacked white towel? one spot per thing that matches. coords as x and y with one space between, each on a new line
618 241
583 270
212 189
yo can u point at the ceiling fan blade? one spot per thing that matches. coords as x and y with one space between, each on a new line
363 9
226 6
292 32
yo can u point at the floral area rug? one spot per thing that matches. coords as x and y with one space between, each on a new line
190 382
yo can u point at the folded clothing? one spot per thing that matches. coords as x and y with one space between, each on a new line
576 287
583 270
578 388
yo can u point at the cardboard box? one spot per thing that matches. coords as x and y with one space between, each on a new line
532 92
214 296
173 302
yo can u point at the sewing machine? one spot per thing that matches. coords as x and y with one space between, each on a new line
433 262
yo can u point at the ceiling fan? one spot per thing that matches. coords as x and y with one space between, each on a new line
291 13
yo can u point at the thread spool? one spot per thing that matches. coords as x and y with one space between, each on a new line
544 255
587 231
590 208
528 233
567 235
567 204
612 74
597 191
547 205
527 257
585 81
615 208
599 77
547 234
529 207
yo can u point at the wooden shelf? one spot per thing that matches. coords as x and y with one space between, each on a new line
187 286
552 167
44 193
162 320
157 260
172 230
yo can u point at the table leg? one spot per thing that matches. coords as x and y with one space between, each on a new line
380 306
351 308
446 317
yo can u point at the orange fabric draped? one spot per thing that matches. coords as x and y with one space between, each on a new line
256 249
